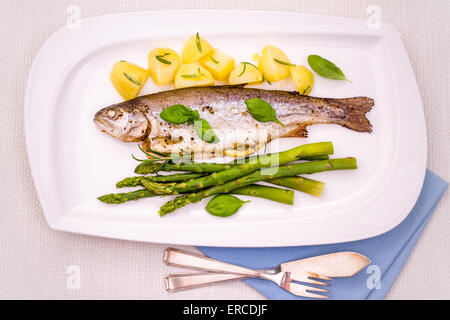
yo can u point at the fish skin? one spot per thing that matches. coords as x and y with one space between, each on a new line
225 110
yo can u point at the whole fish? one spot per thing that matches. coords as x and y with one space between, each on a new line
226 112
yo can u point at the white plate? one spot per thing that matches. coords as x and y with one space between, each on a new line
73 163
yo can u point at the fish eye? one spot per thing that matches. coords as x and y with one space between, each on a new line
111 114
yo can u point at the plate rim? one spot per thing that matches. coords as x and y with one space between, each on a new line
65 224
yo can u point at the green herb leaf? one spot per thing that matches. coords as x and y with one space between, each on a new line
178 114
160 58
261 110
264 79
213 60
191 75
204 131
131 79
224 205
284 62
195 115
245 66
199 45
325 68
200 74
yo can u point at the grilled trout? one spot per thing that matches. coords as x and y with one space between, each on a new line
225 109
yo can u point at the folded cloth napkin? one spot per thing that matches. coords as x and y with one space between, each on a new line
388 252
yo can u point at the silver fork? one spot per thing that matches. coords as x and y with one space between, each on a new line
284 279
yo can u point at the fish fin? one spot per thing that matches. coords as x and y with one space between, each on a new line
356 109
298 132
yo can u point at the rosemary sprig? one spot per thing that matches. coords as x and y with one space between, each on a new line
200 74
191 75
157 156
131 79
284 62
304 91
213 60
160 58
199 45
245 66
264 79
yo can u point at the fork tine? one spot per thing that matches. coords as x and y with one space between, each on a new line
312 281
301 290
315 296
307 277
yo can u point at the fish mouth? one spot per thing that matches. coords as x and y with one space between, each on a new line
101 124
133 130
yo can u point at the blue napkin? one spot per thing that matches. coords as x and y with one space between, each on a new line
388 252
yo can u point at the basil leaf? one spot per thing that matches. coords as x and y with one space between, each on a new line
132 79
178 114
325 68
204 131
261 110
195 115
224 205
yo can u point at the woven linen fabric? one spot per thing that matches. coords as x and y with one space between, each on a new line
37 262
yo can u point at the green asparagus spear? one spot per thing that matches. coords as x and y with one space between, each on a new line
257 162
270 193
260 175
266 192
154 167
315 158
204 167
310 186
136 181
124 197
306 185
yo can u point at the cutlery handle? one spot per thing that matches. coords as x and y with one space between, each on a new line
179 258
175 282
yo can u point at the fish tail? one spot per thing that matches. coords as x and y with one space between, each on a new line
356 109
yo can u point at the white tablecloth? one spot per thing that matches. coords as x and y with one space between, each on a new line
34 259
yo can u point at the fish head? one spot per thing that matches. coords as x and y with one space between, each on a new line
124 122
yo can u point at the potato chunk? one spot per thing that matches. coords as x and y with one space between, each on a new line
163 64
193 75
128 79
195 48
245 73
219 64
274 64
303 79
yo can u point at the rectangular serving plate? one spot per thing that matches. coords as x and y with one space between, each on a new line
73 163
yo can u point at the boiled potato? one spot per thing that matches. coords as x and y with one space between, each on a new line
128 79
163 64
195 48
273 70
218 63
193 75
303 79
245 73
257 58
